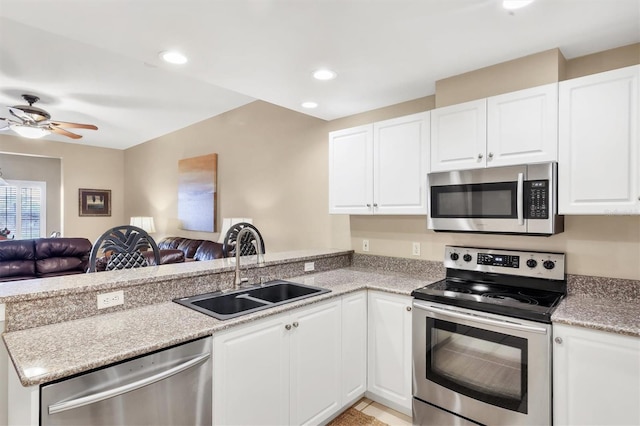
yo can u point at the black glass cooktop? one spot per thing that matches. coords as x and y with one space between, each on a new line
514 301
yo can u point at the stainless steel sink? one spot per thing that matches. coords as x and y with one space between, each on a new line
241 302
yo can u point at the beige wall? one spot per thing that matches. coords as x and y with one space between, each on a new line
529 71
82 167
272 167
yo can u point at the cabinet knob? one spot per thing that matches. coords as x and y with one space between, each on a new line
288 326
368 205
480 156
408 308
375 204
558 340
491 155
295 323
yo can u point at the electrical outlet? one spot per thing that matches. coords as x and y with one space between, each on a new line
365 245
416 249
309 266
107 300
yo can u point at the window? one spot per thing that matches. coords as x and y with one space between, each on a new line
23 209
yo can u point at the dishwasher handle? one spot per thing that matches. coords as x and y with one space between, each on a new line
110 393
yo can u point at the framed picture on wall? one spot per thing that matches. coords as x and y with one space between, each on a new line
94 202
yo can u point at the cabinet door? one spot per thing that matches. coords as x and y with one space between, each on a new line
459 136
251 374
522 127
315 363
354 347
400 155
351 171
389 366
599 156
596 377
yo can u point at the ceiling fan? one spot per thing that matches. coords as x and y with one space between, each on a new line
36 122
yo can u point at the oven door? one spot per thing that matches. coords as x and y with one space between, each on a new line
488 368
485 200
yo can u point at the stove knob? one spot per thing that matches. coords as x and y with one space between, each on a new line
454 256
532 263
467 258
548 264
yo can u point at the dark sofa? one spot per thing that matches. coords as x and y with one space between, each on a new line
43 257
50 257
192 249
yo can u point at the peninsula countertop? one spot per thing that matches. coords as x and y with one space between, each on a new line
51 352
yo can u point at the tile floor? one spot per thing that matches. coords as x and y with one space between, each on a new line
382 413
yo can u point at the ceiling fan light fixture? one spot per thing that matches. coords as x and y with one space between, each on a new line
173 57
29 131
515 4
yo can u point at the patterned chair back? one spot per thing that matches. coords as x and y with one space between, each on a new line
124 244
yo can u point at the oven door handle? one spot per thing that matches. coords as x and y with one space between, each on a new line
520 199
481 319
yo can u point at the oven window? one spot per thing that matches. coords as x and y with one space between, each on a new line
486 200
481 364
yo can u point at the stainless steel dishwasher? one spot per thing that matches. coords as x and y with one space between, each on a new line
169 387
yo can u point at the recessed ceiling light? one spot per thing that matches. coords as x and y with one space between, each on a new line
173 57
324 74
515 4
309 105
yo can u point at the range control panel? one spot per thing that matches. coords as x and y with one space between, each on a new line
513 262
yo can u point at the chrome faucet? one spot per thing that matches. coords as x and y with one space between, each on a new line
260 260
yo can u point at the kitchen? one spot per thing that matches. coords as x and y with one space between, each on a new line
393 235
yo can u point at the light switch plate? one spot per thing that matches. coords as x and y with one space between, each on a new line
416 249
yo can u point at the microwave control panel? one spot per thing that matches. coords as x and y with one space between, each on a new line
537 199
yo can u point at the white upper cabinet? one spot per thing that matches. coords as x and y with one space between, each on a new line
599 158
380 168
515 128
523 127
459 136
351 170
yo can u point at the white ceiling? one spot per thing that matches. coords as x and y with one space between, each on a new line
96 61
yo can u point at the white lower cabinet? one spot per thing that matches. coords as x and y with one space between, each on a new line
596 377
354 347
389 350
281 370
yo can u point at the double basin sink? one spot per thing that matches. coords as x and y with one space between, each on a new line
241 302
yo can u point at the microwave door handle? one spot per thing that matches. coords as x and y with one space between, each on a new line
520 199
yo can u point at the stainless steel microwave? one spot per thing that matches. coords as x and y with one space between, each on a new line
506 200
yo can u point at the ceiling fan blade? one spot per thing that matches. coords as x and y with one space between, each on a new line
18 113
63 132
67 125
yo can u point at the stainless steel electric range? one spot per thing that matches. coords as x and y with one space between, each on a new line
482 338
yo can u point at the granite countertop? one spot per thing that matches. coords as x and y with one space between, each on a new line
51 352
599 313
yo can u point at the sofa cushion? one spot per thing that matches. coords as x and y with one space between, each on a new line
56 256
17 260
189 246
166 256
209 250
169 243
